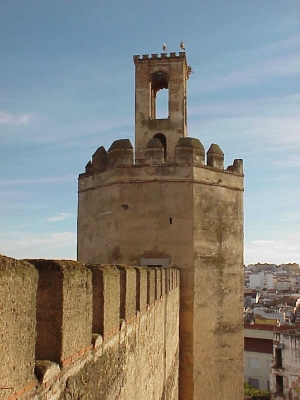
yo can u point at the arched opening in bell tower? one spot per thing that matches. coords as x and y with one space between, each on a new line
163 141
159 102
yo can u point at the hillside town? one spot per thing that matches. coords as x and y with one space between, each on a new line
271 329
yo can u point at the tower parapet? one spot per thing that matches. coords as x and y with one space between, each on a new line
154 152
99 160
215 157
237 166
120 153
190 151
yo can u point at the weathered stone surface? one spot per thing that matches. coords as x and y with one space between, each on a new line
64 309
141 276
190 151
138 362
154 152
164 73
215 157
99 160
106 299
128 291
18 286
46 370
120 153
193 217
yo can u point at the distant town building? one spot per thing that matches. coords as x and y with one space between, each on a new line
258 352
285 372
261 280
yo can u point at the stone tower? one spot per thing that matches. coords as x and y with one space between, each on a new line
171 207
151 75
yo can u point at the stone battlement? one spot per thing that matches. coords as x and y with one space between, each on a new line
162 56
59 316
188 151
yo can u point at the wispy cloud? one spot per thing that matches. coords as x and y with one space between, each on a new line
6 118
262 69
45 245
60 217
291 217
293 161
275 133
274 251
278 132
291 42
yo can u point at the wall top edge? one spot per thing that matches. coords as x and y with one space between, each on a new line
162 56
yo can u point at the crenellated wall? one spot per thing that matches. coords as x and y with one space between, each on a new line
71 331
188 152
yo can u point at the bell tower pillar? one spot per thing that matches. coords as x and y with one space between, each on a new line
151 75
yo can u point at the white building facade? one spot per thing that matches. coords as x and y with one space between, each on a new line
258 355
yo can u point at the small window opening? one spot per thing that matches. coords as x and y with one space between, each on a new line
171 221
254 382
278 358
279 384
163 141
159 97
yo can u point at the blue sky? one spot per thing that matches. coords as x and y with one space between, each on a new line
67 87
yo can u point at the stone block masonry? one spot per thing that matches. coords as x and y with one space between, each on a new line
18 287
88 331
64 309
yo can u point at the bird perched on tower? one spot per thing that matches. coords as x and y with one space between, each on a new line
182 46
164 47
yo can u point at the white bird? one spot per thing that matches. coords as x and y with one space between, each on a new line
164 47
182 46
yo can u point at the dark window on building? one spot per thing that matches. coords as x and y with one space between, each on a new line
254 382
279 384
163 141
278 358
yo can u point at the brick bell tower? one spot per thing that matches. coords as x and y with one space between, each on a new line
170 205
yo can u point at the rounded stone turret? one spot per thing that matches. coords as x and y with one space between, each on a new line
154 152
100 160
215 157
236 167
89 168
120 153
189 151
